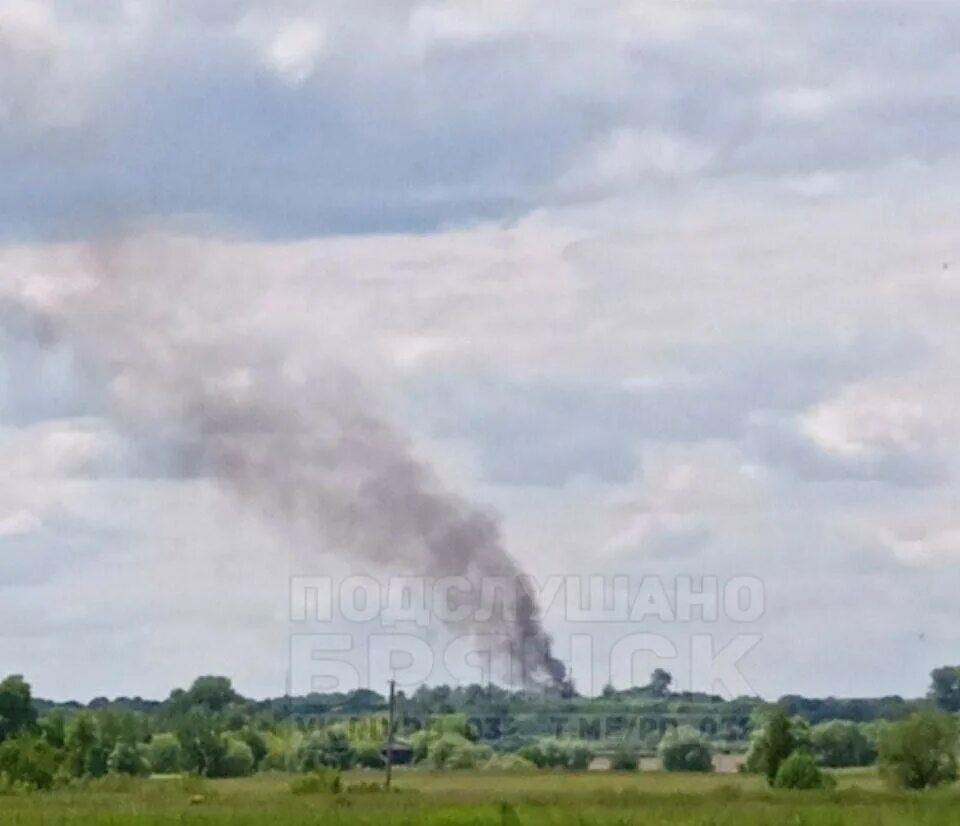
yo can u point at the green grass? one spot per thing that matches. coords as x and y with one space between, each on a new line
447 799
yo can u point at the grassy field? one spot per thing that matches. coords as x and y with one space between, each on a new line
487 798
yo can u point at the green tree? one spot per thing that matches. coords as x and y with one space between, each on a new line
683 749
165 754
81 740
920 751
256 741
773 742
236 761
128 758
800 771
945 688
28 758
212 693
329 747
17 711
454 724
54 729
840 743
203 746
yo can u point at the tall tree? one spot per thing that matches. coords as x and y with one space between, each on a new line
17 711
945 688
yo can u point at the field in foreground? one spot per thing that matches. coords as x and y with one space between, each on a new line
489 798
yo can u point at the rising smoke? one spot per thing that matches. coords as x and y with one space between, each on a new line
302 446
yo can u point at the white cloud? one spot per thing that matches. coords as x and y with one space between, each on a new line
289 46
462 22
627 158
21 523
865 422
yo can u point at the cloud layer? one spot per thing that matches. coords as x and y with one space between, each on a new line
674 290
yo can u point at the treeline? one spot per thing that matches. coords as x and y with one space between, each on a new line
209 729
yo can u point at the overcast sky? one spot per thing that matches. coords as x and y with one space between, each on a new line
671 286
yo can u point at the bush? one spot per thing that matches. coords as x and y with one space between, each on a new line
468 757
165 754
327 748
508 763
129 759
28 760
840 743
257 743
13 788
283 752
683 749
237 759
920 751
800 771
454 751
322 781
551 753
369 756
624 760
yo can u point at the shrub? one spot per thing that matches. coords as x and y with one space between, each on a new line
283 752
330 747
369 756
28 760
508 762
580 756
322 781
920 751
237 759
257 743
840 743
366 788
800 771
551 753
129 759
624 759
683 749
454 751
165 754
12 788
470 756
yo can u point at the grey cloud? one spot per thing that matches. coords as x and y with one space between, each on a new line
186 121
55 550
39 378
779 442
546 432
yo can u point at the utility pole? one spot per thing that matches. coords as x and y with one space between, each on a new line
390 727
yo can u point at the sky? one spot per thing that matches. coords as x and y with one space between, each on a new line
670 287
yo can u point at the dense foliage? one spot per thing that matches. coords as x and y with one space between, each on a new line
210 730
800 771
683 749
920 751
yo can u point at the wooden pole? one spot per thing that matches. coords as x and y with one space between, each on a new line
390 727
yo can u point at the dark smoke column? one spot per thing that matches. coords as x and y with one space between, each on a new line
309 453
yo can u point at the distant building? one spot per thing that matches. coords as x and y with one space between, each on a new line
402 753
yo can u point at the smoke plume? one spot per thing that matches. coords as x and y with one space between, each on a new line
291 435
